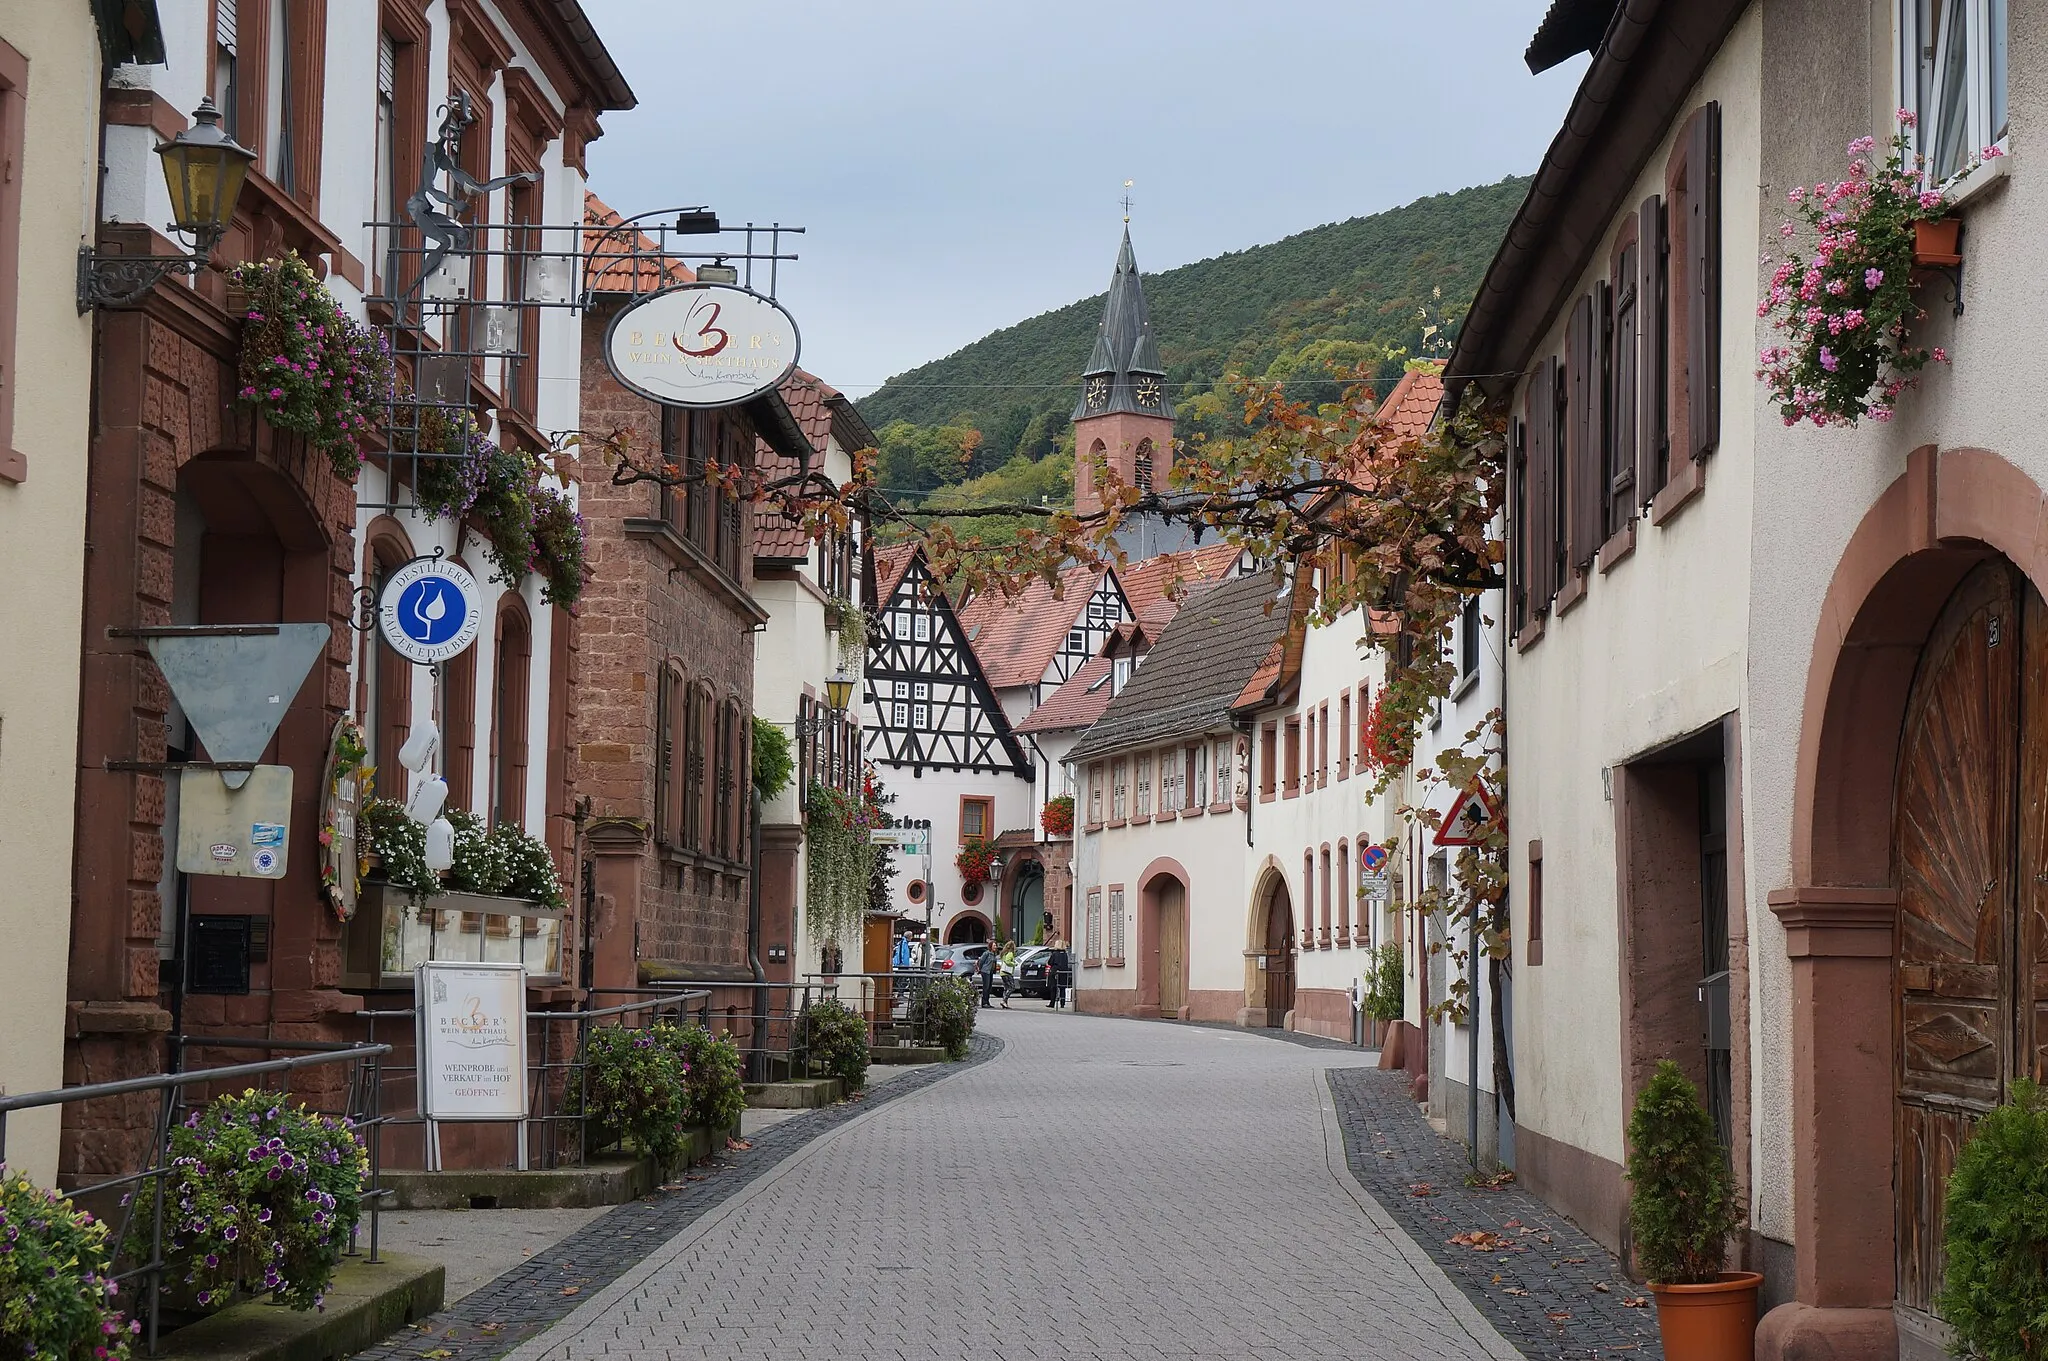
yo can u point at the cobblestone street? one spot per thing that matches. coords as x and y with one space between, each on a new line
1099 1189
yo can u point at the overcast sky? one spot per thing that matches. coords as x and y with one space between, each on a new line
958 162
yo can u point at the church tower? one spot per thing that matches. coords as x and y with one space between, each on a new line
1124 417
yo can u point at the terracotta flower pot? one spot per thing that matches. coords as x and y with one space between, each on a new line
1712 1322
1937 243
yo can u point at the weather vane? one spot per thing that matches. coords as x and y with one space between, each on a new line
1127 201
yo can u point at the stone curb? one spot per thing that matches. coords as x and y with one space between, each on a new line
513 1315
364 1304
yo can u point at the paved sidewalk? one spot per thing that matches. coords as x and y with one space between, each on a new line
1102 1189
1550 1289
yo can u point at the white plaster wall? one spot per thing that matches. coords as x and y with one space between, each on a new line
42 559
936 795
1655 651
1823 483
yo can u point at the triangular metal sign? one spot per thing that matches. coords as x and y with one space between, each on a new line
1470 818
235 689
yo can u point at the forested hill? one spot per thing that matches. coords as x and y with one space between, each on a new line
1315 303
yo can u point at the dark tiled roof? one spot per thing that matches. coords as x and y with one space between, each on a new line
1077 703
1016 637
1570 27
1197 670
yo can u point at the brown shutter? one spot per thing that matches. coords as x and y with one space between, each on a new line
1581 382
1653 318
1703 282
1624 392
1542 490
1518 527
1593 511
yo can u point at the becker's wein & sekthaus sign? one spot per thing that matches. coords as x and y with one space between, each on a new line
702 345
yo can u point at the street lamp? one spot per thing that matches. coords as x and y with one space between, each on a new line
204 169
839 692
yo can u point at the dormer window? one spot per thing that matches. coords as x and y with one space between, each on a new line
1123 675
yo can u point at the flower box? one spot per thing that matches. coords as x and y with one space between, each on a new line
1938 242
471 927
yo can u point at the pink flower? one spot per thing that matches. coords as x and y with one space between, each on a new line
1785 230
1798 194
1861 145
1872 278
1930 199
1991 153
1906 118
1828 360
1838 287
1852 318
1940 355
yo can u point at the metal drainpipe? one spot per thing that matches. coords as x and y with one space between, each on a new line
757 1062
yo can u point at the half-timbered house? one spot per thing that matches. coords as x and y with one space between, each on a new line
936 728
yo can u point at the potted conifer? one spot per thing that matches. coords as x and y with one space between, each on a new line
1995 1293
1682 1212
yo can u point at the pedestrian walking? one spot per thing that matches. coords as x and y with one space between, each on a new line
900 957
986 967
1009 973
1058 972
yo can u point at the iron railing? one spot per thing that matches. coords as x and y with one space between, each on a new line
116 1199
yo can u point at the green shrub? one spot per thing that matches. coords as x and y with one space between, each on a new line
1384 986
774 762
261 1196
713 1090
944 1010
54 1290
832 1039
634 1091
1996 1292
1683 1207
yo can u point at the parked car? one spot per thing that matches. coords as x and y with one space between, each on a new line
957 961
1032 964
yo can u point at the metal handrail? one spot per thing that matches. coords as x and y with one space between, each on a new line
170 1086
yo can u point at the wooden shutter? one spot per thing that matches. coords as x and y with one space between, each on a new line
1542 417
1582 389
1624 392
1592 469
1653 284
664 759
1703 282
1518 533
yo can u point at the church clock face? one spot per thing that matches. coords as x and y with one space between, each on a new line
1148 392
1098 393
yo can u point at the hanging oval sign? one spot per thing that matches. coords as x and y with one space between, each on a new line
430 610
701 345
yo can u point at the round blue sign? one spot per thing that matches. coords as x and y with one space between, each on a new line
430 610
1375 856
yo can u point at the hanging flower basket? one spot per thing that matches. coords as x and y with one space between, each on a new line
1057 817
977 856
306 366
1389 737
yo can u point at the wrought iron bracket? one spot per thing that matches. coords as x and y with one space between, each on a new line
124 280
1954 275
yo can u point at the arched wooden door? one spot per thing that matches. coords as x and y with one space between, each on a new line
1971 840
1279 955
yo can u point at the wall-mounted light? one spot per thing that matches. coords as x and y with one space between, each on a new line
204 169
718 272
839 693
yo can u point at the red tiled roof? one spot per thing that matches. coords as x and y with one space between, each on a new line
890 565
624 261
776 536
1016 637
1077 703
1411 406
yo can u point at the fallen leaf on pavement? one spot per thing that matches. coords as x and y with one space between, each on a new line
1557 1315
1576 1261
1602 1287
572 1290
737 1145
1634 1302
1421 1189
1479 1240
1514 1290
438 1354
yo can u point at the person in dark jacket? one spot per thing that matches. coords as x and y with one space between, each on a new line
1059 972
986 967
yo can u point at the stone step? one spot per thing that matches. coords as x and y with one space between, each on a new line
797 1094
905 1053
364 1305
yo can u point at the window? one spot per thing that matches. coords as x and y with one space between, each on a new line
976 815
696 724
922 709
1343 894
899 625
1308 900
1363 936
225 89
1323 931
1225 787
1539 540
1618 457
276 146
921 627
1095 774
1693 255
1091 948
1118 791
1952 73
1142 466
1077 639
899 702
1309 737
1534 953
1142 804
1469 624
1198 775
1344 734
1269 759
1323 743
1364 722
1116 925
458 728
1293 757
1169 781
514 660
385 190
1585 427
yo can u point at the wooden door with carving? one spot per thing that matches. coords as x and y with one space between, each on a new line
1971 837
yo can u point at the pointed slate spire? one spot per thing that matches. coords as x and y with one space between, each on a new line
1125 372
